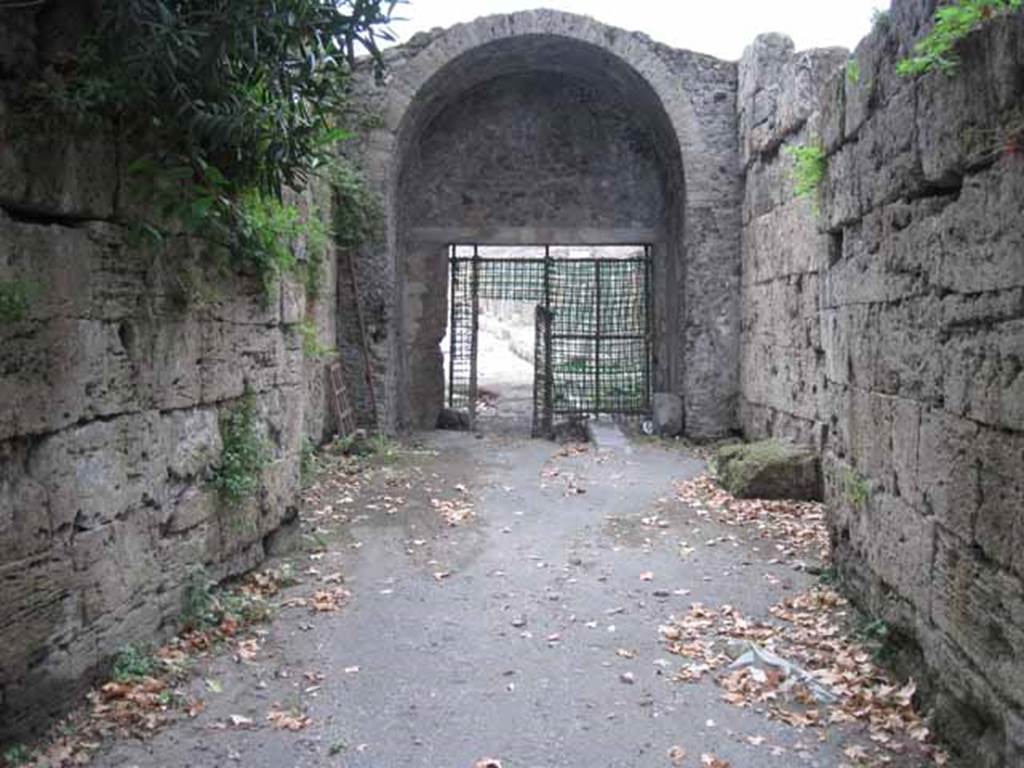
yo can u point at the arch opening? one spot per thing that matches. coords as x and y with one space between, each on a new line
530 140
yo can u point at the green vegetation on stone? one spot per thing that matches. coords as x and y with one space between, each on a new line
734 465
810 164
133 663
358 214
312 347
206 607
245 454
307 460
853 73
855 488
16 755
228 105
936 51
769 469
16 298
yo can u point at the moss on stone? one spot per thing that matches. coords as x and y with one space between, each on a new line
768 469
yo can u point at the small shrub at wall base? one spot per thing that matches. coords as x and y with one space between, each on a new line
245 454
936 51
133 663
307 460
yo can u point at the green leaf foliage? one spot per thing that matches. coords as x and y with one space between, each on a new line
229 103
249 87
810 164
936 52
245 454
15 300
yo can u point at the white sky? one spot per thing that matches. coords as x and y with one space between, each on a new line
722 28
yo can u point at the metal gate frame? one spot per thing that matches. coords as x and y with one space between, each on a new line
586 315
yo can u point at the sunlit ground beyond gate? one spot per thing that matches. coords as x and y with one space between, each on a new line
580 318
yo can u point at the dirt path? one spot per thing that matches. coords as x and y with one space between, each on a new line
528 633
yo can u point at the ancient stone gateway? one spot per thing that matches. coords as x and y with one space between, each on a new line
881 324
548 128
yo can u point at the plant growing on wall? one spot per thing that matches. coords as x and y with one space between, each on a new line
853 73
15 300
936 52
235 101
810 164
358 216
245 454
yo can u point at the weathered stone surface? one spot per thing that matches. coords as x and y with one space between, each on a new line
769 469
114 384
540 127
668 414
911 374
880 322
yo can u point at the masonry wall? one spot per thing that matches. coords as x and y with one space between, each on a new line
888 329
583 181
537 152
111 391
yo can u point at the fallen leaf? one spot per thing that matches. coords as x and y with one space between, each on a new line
288 721
240 721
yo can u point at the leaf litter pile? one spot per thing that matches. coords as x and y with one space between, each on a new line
802 667
796 528
147 689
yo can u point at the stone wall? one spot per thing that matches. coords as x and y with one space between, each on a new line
544 127
888 329
112 388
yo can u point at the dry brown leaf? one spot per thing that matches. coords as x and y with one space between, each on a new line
288 721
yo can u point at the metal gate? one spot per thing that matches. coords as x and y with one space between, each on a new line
593 331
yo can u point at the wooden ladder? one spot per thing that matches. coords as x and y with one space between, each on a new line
342 405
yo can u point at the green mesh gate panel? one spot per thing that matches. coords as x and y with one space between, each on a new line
593 330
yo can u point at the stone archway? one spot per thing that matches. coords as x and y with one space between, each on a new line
544 127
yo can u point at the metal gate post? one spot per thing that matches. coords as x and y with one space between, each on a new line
453 329
597 338
649 330
475 340
549 374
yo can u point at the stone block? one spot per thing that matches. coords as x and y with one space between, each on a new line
980 607
770 469
668 414
49 172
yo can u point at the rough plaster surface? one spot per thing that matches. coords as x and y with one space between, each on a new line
888 330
